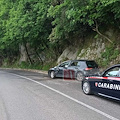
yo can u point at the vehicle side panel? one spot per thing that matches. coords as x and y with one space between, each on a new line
108 86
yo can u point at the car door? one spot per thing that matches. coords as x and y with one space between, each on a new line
97 84
71 70
61 68
112 85
116 91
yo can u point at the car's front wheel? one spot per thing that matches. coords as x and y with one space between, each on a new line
86 88
52 74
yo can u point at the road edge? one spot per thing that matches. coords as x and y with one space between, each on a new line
30 70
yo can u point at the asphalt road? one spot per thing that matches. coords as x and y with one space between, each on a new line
34 96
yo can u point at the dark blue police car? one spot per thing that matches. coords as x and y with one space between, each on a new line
107 84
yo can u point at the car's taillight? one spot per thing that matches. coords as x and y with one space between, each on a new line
88 68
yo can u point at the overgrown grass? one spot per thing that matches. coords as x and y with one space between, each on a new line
26 65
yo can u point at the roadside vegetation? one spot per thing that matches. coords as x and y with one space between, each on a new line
48 26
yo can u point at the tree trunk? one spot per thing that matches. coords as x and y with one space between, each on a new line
28 54
39 57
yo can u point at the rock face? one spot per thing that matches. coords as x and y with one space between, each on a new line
23 54
70 53
92 48
93 51
35 57
98 49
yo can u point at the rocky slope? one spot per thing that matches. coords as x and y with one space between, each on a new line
95 48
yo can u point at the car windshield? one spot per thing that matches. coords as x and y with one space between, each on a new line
91 64
114 72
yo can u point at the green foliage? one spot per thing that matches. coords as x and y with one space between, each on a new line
64 25
52 24
24 22
78 16
110 54
26 65
47 66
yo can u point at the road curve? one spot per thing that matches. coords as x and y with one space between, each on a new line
34 96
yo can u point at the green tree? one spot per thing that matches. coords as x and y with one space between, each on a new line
28 23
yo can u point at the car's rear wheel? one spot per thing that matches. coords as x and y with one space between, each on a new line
86 88
52 74
79 76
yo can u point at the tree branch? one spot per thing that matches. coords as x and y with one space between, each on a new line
97 30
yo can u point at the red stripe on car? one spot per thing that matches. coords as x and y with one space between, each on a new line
107 78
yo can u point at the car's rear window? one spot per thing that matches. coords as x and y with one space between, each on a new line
91 64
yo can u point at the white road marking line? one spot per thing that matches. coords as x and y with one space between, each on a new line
71 98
